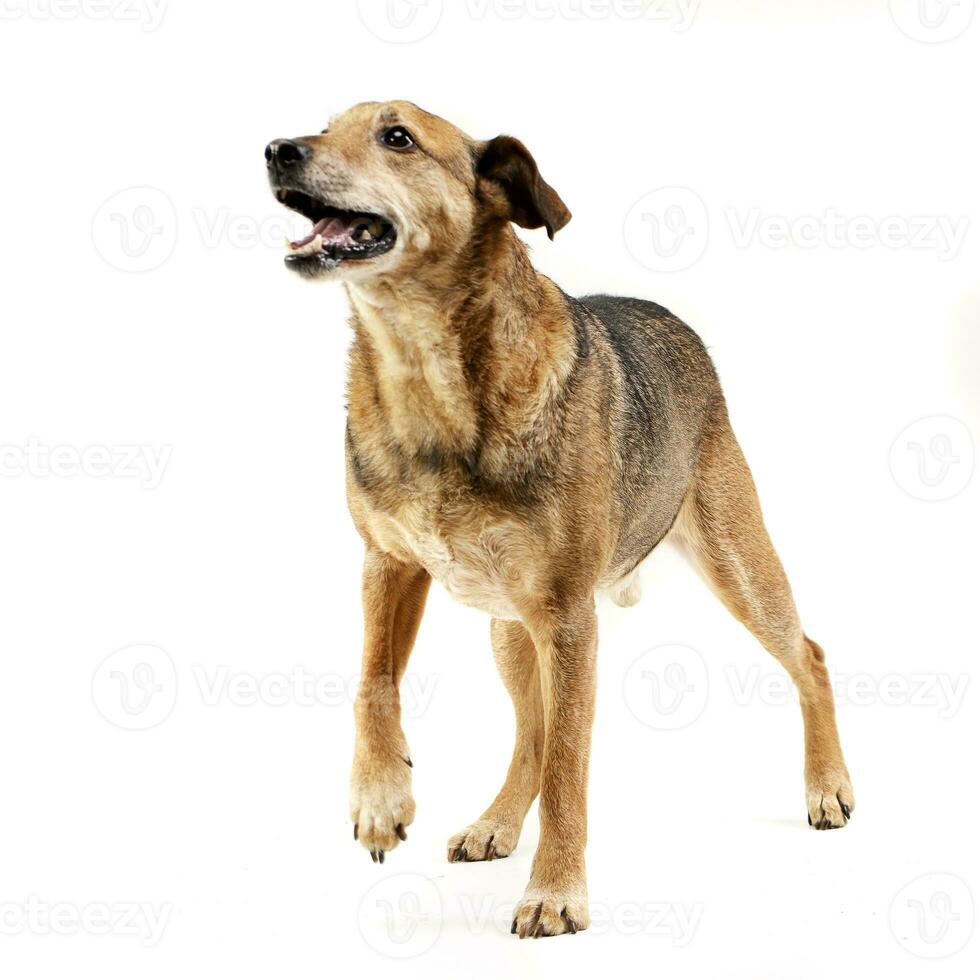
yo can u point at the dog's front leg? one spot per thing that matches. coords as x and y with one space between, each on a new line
556 898
381 803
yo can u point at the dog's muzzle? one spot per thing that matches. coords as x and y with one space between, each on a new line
338 234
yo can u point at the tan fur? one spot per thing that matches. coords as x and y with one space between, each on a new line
721 524
497 442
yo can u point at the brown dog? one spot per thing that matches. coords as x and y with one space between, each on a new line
524 448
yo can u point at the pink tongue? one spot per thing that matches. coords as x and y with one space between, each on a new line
334 230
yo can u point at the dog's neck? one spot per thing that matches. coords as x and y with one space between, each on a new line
464 356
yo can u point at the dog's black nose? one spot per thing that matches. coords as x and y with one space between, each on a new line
284 153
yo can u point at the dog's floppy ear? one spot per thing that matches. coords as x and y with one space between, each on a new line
531 202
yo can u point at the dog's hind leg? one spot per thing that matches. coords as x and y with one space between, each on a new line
721 525
496 832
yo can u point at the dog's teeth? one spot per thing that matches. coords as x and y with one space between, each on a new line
375 229
363 234
310 248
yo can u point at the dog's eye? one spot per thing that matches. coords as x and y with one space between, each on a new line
398 138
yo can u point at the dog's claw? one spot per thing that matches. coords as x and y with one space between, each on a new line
400 830
828 819
381 857
532 927
551 917
355 831
374 855
826 824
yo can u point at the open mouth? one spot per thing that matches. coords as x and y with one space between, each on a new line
337 235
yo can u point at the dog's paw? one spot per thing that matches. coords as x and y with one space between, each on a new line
829 799
381 805
485 840
545 912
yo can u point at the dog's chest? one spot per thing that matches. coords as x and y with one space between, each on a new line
477 558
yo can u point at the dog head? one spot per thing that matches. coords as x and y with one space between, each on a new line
392 190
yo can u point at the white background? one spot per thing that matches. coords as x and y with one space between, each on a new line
228 817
